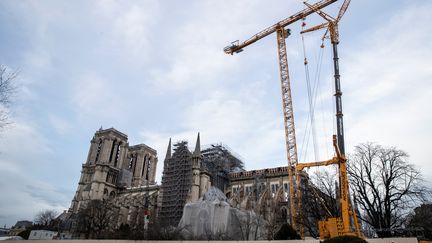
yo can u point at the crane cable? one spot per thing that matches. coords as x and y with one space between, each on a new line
318 90
311 114
312 93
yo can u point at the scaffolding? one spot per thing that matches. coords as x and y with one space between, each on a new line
176 183
219 161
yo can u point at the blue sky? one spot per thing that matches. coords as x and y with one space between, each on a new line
156 69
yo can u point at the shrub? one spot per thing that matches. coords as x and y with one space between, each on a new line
345 239
286 232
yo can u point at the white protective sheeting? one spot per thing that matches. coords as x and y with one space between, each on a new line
213 218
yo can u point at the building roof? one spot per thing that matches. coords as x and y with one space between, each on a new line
111 130
142 146
23 224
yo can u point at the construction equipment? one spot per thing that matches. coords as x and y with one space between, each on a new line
337 226
290 137
332 27
330 227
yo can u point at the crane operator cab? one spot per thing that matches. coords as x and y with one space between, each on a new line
232 48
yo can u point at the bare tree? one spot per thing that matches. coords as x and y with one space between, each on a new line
7 89
385 184
45 217
248 224
326 180
95 220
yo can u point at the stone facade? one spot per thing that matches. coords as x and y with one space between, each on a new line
119 172
125 175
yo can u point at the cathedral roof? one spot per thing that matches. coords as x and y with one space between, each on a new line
111 131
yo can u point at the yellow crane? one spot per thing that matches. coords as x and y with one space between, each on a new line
336 226
290 137
332 27
330 227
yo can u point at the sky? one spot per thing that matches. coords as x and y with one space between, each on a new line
156 70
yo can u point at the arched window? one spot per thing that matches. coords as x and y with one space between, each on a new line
117 156
98 150
144 164
112 195
132 163
112 150
131 159
105 195
148 169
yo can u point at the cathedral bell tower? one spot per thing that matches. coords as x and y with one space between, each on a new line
100 172
196 171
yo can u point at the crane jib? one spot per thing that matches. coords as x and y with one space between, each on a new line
236 47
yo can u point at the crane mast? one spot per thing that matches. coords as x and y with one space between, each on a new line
290 138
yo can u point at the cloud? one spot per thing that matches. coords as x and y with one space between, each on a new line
387 85
134 26
24 196
158 69
237 118
20 137
38 59
126 31
60 125
196 42
94 96
24 154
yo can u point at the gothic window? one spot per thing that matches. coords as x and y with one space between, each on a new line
114 179
284 213
132 163
285 185
144 163
117 156
148 169
235 189
98 151
112 195
105 195
112 150
273 190
111 177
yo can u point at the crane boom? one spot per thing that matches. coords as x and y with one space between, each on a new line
290 138
236 47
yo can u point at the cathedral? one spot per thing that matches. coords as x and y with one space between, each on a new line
124 175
